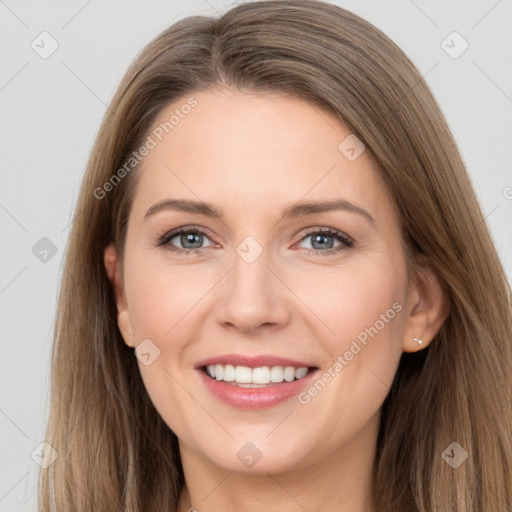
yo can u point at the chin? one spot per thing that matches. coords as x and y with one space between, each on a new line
257 457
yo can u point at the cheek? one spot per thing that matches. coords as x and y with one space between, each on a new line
353 301
162 296
161 302
359 310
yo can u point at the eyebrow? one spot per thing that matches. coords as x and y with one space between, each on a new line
291 212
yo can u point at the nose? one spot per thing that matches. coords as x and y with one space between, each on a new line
253 297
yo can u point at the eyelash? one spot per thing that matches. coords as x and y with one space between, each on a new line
346 241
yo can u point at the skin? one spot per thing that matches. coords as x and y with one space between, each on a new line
252 155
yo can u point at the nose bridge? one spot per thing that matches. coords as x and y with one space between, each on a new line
252 295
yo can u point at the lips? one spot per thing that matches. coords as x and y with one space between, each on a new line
254 382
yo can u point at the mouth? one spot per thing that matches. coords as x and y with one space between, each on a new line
255 382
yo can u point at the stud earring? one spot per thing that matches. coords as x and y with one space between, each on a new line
418 341
128 344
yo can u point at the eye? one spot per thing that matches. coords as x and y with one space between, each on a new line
185 241
323 241
190 241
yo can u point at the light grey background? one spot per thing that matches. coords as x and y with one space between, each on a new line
51 110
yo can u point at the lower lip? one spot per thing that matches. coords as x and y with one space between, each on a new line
255 398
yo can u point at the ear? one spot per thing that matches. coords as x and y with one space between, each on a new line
427 308
114 273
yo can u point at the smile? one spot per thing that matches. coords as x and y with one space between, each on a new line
254 382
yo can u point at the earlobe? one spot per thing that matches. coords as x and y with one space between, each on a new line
123 321
113 269
427 310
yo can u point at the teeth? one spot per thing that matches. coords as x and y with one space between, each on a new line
243 374
300 372
276 374
289 374
263 375
229 373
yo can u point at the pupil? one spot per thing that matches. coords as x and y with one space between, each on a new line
192 238
322 239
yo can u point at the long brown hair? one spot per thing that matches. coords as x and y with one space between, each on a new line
115 451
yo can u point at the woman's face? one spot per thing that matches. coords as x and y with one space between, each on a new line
291 259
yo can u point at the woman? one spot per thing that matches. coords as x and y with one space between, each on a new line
276 218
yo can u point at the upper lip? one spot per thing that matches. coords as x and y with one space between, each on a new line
252 361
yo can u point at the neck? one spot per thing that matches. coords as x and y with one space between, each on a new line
338 482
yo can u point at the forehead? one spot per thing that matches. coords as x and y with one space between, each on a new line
249 151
